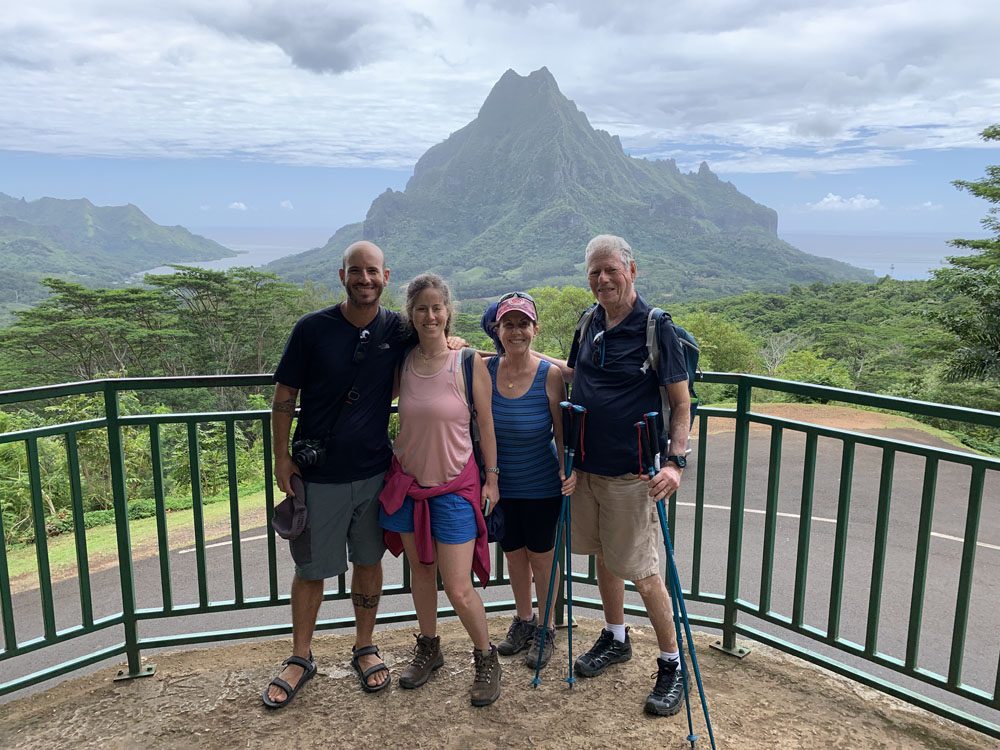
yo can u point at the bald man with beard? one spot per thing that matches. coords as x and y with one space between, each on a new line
339 362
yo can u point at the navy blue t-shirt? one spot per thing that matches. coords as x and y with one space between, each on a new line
318 362
616 392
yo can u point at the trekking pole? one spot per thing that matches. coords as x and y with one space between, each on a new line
650 448
573 418
567 423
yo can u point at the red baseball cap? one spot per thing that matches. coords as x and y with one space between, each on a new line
517 304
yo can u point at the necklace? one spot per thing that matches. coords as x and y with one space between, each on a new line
428 357
510 383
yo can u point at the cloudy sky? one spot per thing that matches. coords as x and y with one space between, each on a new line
846 115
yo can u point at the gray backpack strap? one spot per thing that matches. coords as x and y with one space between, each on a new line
653 361
584 322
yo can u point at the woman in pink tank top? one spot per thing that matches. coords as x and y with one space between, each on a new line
432 503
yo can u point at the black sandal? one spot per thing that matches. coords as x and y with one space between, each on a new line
364 675
309 670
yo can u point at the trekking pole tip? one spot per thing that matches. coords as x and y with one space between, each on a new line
536 681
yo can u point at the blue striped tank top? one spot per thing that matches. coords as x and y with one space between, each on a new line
526 451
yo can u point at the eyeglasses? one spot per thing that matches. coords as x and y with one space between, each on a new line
362 347
522 295
597 350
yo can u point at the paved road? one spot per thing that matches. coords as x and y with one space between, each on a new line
983 639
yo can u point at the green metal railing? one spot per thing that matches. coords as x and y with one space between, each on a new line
793 628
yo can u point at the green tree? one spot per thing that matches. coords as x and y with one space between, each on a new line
806 366
725 346
974 315
558 312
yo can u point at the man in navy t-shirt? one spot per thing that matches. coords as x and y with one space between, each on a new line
340 362
614 512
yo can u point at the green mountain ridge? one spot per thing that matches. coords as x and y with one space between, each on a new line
92 245
511 199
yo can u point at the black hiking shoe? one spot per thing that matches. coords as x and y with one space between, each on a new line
605 652
519 636
665 700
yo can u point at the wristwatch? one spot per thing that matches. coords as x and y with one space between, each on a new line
493 470
680 461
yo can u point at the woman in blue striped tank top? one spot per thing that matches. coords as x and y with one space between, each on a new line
528 428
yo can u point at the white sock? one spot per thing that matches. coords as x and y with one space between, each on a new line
674 656
617 630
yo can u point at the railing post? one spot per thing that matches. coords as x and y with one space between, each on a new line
116 456
737 501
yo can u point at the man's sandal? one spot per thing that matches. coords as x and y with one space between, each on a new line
363 676
309 670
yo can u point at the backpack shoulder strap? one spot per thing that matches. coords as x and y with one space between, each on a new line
467 356
583 323
652 340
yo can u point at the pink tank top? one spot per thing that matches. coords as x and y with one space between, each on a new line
434 444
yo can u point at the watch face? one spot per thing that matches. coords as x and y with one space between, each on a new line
681 461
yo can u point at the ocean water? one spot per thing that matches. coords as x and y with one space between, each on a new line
901 256
255 247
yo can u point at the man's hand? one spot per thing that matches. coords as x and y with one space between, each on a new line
284 467
665 482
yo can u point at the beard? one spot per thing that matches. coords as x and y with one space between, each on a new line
362 296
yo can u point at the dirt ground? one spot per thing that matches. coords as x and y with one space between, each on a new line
210 699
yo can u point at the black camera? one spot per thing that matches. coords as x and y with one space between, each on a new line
307 453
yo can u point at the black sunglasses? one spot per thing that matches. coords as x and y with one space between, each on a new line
522 295
362 347
597 350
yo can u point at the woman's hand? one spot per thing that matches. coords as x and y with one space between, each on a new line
490 492
568 485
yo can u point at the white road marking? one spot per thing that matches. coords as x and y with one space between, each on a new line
225 543
821 519
710 506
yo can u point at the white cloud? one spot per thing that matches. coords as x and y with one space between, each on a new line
375 83
287 205
237 206
832 202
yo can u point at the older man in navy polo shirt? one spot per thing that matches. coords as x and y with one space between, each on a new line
614 512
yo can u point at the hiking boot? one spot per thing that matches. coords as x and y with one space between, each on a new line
519 636
665 700
605 652
486 683
547 639
427 657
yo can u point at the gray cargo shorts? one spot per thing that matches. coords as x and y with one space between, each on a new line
342 526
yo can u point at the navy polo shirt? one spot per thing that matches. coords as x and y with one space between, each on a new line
616 392
318 362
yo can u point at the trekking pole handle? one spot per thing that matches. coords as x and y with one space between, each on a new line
579 414
653 434
644 448
567 424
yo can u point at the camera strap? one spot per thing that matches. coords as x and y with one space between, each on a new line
351 395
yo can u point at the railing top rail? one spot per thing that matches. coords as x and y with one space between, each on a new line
861 398
21 395
841 395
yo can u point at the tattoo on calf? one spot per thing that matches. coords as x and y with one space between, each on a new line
285 407
365 601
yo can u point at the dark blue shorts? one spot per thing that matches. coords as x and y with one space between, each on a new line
453 519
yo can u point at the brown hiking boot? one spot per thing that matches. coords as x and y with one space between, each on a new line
486 683
427 657
544 639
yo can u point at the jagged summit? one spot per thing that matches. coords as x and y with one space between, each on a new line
510 200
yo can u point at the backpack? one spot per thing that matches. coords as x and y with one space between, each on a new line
468 355
689 345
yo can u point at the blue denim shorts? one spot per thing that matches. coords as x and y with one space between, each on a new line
453 520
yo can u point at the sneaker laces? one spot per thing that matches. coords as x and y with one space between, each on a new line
666 682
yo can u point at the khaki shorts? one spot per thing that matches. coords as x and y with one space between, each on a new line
614 517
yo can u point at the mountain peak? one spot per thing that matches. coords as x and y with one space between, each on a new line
515 95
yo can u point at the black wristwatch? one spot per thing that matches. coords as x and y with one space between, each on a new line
680 461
